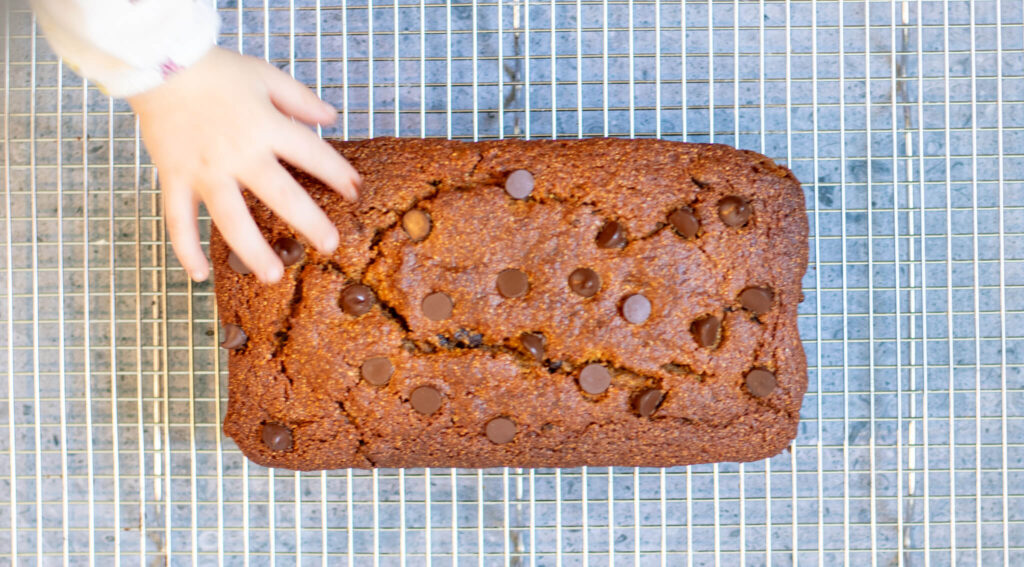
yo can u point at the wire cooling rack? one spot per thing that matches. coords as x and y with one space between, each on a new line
904 119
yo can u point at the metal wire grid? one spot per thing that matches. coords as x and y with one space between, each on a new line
905 120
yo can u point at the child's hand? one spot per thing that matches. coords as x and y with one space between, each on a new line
223 122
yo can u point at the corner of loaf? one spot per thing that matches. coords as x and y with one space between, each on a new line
552 303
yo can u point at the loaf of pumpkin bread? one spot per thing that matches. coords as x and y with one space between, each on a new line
599 302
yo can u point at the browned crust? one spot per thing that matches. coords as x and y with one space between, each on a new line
301 364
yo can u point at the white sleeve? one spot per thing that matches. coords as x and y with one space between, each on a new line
128 46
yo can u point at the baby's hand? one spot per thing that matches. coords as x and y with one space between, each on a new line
225 121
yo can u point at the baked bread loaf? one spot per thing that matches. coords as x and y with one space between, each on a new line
528 304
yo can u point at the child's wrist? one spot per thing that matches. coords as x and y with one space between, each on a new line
156 95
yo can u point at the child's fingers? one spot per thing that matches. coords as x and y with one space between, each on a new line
295 99
275 187
228 210
302 148
180 210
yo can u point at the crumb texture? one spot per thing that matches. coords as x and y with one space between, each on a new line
599 302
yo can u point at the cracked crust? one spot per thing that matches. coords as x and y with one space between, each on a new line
301 364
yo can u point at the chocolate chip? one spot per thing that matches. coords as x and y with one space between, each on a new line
585 282
289 250
501 430
534 344
377 370
277 437
760 382
595 378
685 222
757 300
636 309
416 224
356 299
425 400
734 211
647 402
236 264
519 184
512 283
234 337
612 235
437 306
705 331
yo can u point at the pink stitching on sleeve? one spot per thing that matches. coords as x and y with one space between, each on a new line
168 68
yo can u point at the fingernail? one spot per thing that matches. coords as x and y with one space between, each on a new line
272 275
330 243
201 273
330 113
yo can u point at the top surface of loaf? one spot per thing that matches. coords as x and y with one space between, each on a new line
604 205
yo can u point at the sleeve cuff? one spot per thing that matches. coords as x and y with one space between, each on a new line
179 51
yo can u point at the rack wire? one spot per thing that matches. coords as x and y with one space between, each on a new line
904 120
